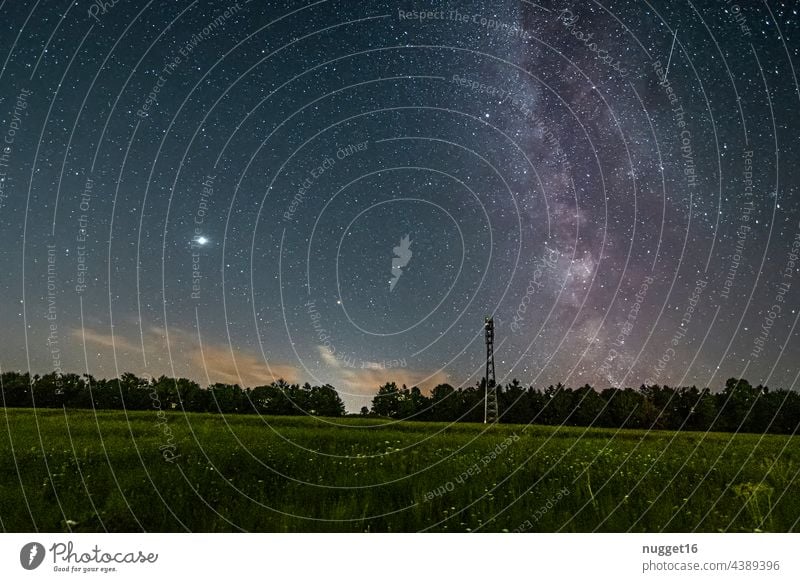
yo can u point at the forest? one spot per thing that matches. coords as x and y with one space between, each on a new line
737 407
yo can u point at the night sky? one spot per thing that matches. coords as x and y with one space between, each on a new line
339 192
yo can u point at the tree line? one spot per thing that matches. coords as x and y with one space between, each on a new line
739 407
131 392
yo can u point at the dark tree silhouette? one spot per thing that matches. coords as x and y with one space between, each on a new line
738 407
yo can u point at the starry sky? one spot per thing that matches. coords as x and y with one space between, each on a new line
339 192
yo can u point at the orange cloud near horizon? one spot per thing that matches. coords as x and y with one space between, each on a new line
209 363
181 354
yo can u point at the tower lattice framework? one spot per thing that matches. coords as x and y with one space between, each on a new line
490 409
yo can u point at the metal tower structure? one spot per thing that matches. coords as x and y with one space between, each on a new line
490 411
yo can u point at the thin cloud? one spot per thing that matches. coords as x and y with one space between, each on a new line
209 363
364 382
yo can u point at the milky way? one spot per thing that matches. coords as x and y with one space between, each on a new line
339 192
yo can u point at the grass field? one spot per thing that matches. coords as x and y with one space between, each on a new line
108 471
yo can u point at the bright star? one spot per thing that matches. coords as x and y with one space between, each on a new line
201 240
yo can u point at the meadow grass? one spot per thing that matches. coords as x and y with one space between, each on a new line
84 471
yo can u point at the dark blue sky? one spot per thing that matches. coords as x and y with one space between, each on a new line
217 189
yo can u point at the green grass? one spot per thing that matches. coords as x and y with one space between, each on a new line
303 474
